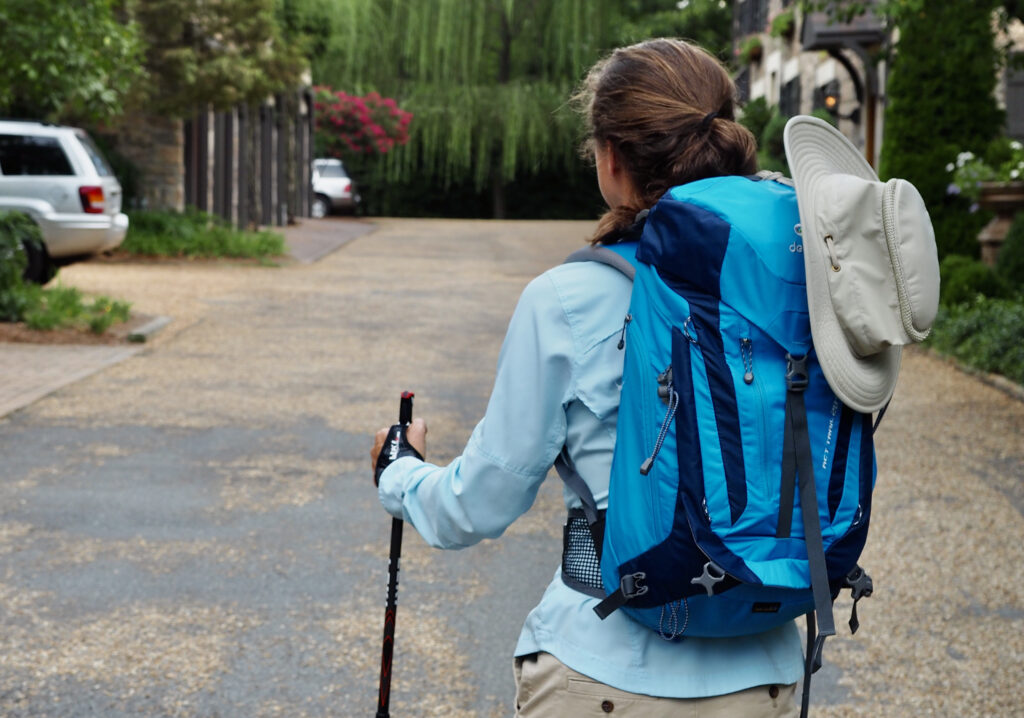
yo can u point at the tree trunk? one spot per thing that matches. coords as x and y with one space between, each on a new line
497 193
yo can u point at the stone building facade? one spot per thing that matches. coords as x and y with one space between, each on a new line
812 65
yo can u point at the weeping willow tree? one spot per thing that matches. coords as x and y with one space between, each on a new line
487 81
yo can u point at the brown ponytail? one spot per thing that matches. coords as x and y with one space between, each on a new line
668 109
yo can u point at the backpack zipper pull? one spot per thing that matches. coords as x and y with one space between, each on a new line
622 336
668 393
747 354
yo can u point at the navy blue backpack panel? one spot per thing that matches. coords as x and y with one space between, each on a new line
704 533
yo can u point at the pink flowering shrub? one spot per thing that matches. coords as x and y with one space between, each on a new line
352 125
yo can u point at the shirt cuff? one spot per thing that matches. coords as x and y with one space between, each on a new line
391 489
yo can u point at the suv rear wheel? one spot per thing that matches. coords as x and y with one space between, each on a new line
321 206
39 268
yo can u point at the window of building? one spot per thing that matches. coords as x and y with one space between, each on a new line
789 97
753 16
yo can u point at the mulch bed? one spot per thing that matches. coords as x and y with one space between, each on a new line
17 332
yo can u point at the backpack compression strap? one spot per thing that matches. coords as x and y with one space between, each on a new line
797 462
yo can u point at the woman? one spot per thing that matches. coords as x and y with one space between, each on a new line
658 114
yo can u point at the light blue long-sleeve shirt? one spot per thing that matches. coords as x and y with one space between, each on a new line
557 384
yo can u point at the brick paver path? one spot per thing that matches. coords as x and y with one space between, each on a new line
29 372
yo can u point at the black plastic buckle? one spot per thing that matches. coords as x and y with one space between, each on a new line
860 583
796 372
632 584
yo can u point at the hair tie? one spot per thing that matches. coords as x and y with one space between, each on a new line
705 124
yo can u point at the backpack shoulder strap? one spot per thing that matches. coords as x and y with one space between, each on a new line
620 256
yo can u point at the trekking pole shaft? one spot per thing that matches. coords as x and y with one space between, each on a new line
390 609
391 604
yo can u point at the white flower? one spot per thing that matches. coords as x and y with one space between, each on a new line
950 167
1016 146
1014 173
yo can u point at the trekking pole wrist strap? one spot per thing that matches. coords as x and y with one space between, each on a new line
396 446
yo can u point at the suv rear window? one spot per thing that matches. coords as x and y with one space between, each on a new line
331 170
27 155
98 160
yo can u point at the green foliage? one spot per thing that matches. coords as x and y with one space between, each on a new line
127 172
305 23
1010 265
984 334
52 307
941 103
14 228
706 22
68 61
1003 162
165 233
822 114
771 153
217 53
782 24
59 306
963 279
488 82
749 50
756 115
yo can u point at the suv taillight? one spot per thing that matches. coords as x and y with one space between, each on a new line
92 199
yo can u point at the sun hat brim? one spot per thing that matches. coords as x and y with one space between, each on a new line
815 151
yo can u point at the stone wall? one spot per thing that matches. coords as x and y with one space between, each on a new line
155 145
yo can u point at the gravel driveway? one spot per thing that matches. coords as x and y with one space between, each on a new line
193 532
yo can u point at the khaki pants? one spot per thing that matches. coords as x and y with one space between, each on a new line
546 687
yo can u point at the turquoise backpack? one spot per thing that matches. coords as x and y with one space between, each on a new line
727 430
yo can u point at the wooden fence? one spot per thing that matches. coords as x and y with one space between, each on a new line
252 165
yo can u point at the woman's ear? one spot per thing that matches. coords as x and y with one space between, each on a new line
614 180
612 158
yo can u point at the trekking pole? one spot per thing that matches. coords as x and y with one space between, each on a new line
394 443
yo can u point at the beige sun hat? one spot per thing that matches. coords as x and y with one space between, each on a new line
871 262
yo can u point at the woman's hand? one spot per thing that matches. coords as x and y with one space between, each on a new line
416 433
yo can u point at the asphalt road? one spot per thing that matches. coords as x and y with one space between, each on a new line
194 531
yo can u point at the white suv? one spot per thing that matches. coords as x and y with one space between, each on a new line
58 177
333 189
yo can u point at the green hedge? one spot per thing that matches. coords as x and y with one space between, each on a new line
962 279
984 334
941 101
1010 267
981 314
165 233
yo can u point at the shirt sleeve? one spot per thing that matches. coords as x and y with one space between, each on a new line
495 480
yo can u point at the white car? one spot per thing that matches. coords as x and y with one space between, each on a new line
60 179
333 189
